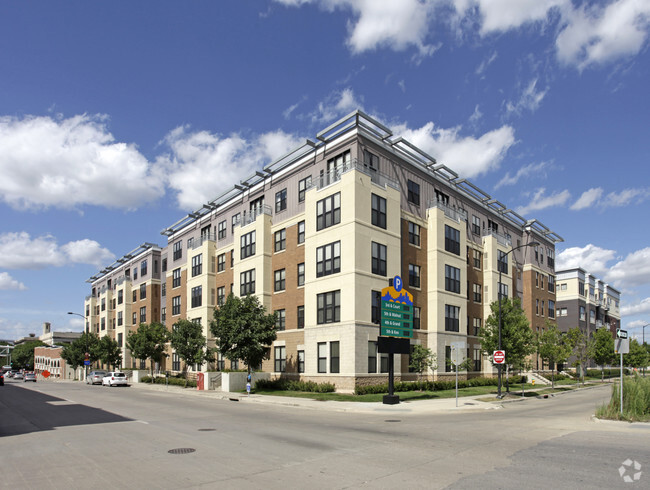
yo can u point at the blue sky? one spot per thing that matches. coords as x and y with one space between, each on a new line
118 118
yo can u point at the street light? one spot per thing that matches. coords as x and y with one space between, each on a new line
86 332
531 244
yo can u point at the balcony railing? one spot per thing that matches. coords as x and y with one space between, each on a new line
208 237
254 213
451 213
335 175
502 240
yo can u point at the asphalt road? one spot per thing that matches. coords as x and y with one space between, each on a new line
70 435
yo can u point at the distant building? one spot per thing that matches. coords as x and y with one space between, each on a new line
55 338
48 358
585 301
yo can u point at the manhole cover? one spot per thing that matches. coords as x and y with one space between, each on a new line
207 430
392 420
181 450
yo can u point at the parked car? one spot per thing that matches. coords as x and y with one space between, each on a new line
29 377
95 377
18 376
114 379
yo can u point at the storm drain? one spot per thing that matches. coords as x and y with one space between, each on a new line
207 430
182 450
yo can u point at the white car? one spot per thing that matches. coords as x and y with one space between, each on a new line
114 379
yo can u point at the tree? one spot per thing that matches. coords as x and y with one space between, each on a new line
244 330
516 336
22 357
637 357
190 344
422 359
109 351
553 348
602 349
580 347
148 342
75 352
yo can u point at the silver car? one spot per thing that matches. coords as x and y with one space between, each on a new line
29 377
114 379
95 377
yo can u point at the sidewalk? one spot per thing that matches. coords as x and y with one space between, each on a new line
407 407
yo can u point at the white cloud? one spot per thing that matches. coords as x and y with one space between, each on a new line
504 15
336 105
383 23
591 258
597 34
9 283
632 271
20 251
588 199
486 63
533 169
476 115
541 201
201 164
640 308
530 99
55 162
467 155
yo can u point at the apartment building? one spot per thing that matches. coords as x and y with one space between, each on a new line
316 235
585 301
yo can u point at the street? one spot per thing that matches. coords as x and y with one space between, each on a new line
71 435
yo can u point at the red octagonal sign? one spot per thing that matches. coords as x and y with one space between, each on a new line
499 356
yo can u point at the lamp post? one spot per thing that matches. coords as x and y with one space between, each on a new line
531 244
85 332
646 325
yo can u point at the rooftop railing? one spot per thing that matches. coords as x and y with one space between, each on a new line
451 213
335 175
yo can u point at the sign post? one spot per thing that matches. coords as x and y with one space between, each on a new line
457 358
622 346
396 328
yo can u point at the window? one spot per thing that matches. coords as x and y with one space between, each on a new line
280 240
378 259
256 206
476 225
328 211
448 364
561 312
328 259
143 268
581 288
334 357
328 307
301 316
452 314
143 314
541 281
120 339
372 356
197 296
502 262
247 242
542 312
301 361
163 289
135 297
176 278
247 282
452 279
503 290
414 234
190 243
178 250
281 200
416 318
550 255
143 291
477 359
176 362
280 319
176 305
452 240
477 259
414 275
280 280
221 230
551 308
476 324
301 274
120 297
413 195
135 318
592 316
322 357
370 161
303 185
197 265
301 232
493 226
135 273
119 318
551 284
442 197
582 313
234 222
337 165
221 295
280 358
164 265
378 214
221 262
104 302
375 308
477 293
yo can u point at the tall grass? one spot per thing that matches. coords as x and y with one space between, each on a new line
636 401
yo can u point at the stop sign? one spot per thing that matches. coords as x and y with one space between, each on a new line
499 356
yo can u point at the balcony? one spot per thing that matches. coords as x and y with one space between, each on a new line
457 215
254 213
502 240
209 237
335 175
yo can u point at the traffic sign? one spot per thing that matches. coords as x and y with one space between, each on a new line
621 334
457 353
622 346
499 357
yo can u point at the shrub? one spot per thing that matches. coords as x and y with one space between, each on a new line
172 380
636 401
431 385
282 384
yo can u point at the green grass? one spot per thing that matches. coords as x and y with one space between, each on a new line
636 401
